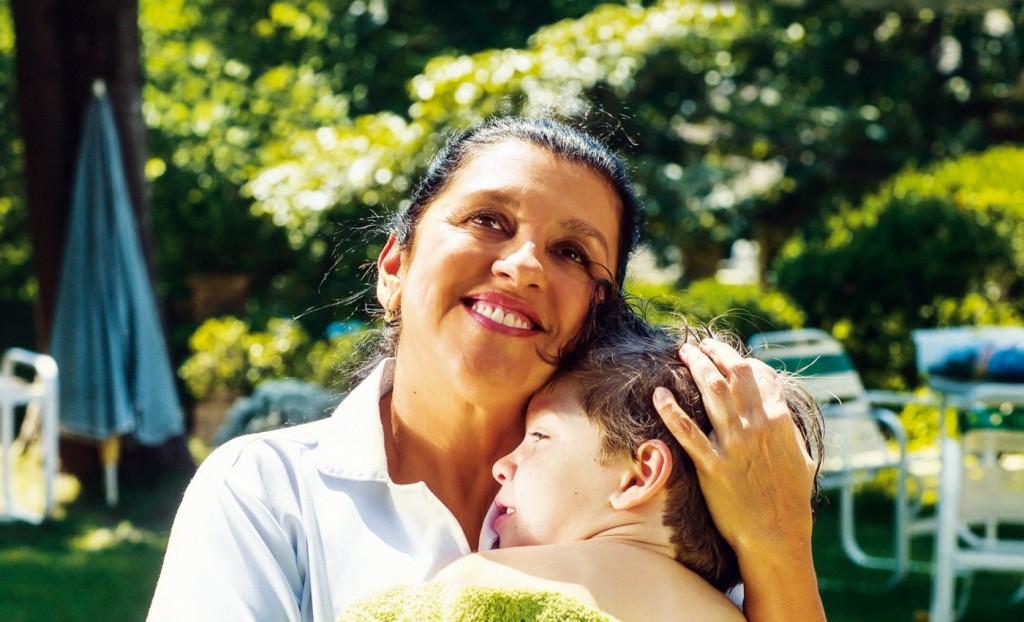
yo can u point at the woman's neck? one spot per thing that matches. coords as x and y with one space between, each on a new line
433 436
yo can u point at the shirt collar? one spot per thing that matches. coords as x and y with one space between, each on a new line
353 443
353 446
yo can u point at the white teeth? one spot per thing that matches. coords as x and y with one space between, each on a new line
497 315
510 510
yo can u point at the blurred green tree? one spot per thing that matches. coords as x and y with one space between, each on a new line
227 79
17 287
742 120
15 271
280 131
742 310
939 246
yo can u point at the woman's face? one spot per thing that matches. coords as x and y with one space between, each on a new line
556 486
502 269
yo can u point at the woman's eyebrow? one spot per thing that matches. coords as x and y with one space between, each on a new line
575 225
585 229
498 197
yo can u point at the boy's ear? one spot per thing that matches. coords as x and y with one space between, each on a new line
389 275
647 478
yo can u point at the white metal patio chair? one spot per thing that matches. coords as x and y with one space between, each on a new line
982 493
38 394
860 440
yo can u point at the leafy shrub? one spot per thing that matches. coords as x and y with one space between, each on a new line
932 248
331 359
227 355
742 309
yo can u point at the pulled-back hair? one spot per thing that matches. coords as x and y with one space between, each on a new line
616 377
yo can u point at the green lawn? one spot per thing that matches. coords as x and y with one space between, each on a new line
908 602
101 564
95 563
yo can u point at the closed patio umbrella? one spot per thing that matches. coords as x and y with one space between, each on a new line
116 376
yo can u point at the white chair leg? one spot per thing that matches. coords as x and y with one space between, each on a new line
7 440
50 441
944 575
1018 596
899 563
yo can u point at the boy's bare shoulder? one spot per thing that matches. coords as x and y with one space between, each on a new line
624 581
526 568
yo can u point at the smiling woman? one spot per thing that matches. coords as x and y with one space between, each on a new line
489 280
518 233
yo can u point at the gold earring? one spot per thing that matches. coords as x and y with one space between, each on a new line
392 308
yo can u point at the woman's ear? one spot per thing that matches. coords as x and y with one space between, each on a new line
647 478
389 275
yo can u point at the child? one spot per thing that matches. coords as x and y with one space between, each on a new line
614 502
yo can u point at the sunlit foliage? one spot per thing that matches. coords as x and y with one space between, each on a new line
741 310
228 84
280 131
739 120
373 159
934 246
15 280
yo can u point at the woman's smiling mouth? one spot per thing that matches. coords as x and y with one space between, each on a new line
505 318
501 313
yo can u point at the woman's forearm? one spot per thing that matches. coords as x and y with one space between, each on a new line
781 585
756 476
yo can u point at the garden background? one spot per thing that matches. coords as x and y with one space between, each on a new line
872 150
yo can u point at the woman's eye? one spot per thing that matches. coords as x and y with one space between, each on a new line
489 221
574 254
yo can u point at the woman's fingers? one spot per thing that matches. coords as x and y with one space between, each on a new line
756 460
694 442
738 391
712 384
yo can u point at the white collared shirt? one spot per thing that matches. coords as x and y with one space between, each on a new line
296 523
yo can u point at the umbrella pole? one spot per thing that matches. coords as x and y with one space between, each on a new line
110 455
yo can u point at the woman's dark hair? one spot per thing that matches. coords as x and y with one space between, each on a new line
562 141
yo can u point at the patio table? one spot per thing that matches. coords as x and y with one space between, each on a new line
994 407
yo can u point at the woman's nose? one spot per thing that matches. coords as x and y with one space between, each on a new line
503 469
521 265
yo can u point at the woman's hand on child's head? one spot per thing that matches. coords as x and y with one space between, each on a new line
755 472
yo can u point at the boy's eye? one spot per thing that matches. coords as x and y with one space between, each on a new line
537 436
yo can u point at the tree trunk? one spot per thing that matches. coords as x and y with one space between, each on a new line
61 47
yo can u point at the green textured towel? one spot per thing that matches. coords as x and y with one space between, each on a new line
437 601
